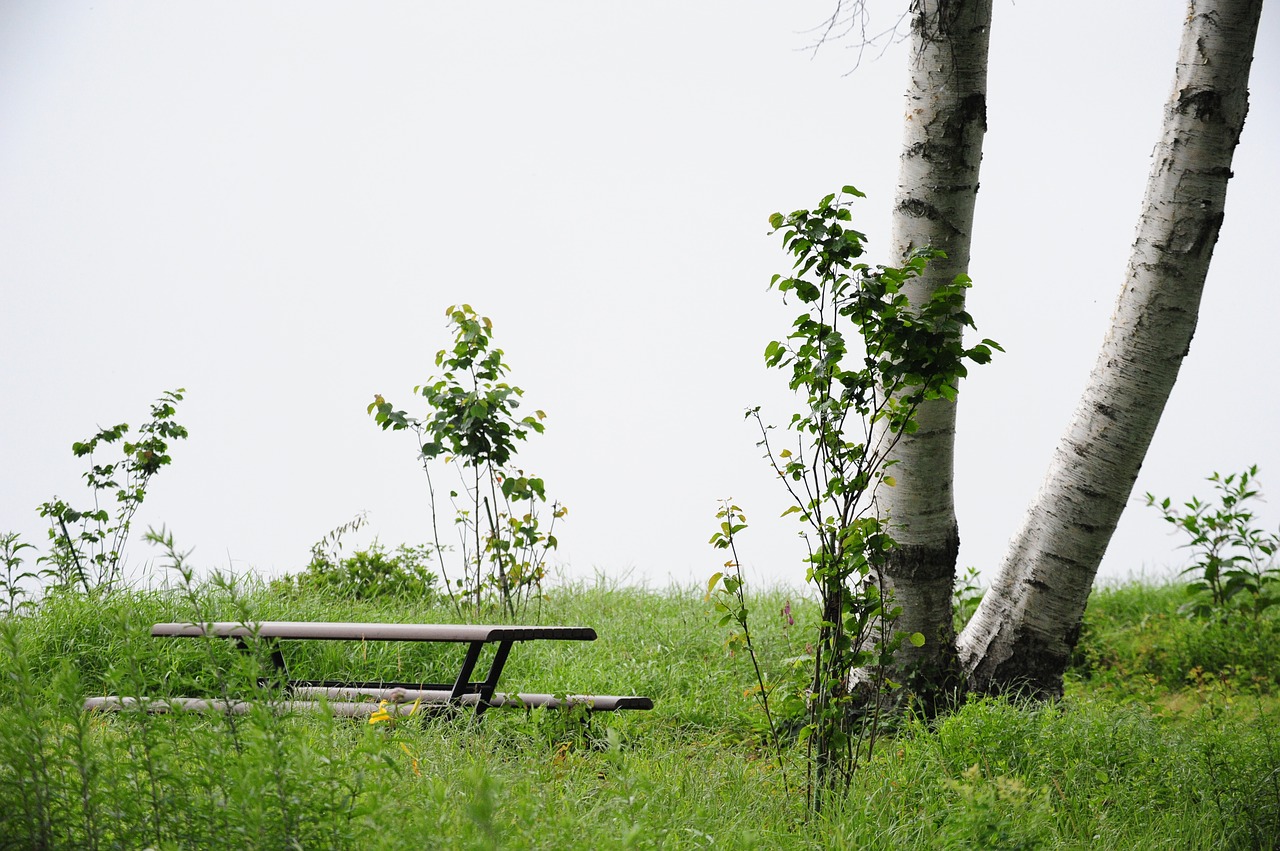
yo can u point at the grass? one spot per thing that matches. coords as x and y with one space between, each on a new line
1166 738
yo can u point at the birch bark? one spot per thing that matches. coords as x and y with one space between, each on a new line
937 189
1027 625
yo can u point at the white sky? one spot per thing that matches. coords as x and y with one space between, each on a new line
273 204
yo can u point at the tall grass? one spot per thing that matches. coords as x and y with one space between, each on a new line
1097 770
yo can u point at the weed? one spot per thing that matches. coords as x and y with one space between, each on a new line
731 602
966 596
1234 568
89 557
12 587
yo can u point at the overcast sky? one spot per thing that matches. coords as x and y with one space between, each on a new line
272 204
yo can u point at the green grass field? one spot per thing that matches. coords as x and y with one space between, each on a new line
1167 738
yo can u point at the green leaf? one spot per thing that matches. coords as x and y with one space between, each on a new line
916 639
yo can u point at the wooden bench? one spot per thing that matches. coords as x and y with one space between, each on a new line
344 698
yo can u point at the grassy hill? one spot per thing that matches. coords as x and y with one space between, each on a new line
1167 737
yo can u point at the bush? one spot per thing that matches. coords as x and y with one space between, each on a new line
372 574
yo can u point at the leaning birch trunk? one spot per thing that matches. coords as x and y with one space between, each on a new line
937 189
1024 631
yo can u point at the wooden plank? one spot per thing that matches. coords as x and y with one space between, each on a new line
596 702
162 706
324 631
354 708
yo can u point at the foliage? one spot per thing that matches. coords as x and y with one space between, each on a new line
374 573
999 812
88 545
473 428
370 574
1133 637
858 399
1234 567
966 596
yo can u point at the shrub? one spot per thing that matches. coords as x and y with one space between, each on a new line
371 574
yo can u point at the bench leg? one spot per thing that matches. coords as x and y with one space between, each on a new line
491 682
277 663
463 685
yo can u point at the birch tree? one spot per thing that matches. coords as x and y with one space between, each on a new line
1023 632
945 121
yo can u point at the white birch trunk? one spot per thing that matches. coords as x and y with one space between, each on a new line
937 189
1023 633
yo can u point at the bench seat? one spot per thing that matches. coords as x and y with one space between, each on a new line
342 631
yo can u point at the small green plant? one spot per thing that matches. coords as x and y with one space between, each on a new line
88 545
862 358
12 588
473 427
728 590
1234 568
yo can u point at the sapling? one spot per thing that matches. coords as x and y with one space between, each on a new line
473 427
862 358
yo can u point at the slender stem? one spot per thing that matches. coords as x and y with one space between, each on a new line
755 661
435 529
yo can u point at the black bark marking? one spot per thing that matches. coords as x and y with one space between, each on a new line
917 209
932 676
1201 104
1208 235
914 563
971 110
